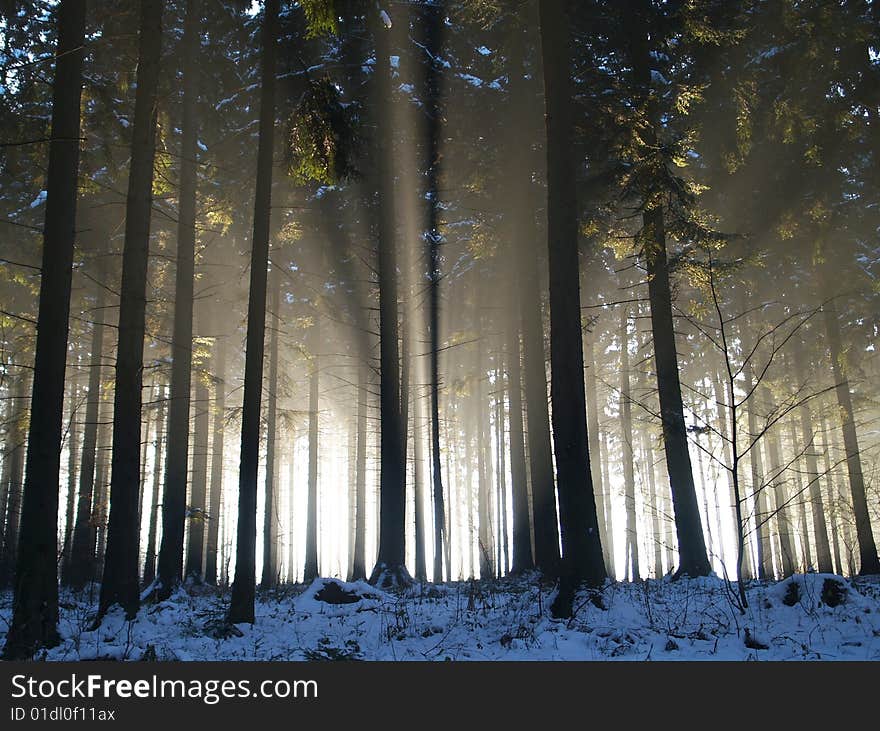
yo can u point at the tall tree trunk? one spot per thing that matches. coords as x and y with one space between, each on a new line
79 570
765 562
831 494
484 541
241 608
523 202
270 514
120 582
434 29
174 500
291 511
15 452
817 508
582 559
600 485
522 546
868 559
626 445
158 451
390 569
651 478
788 556
501 443
72 456
359 569
35 602
419 485
219 432
800 499
195 565
311 567
693 560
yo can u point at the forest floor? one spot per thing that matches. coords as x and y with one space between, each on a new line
805 617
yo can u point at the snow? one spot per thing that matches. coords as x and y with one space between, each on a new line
689 619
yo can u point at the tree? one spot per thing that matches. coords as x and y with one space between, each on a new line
35 602
241 608
582 559
390 568
170 565
120 577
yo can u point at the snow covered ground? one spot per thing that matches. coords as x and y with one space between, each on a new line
806 617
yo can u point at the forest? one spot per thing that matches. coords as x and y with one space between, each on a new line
439 329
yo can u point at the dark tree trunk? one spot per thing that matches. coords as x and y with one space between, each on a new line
158 451
120 582
628 457
390 566
868 560
311 566
176 467
434 29
582 559
35 603
359 569
270 514
484 540
524 97
219 430
197 509
80 569
101 497
241 608
419 485
522 543
15 453
693 560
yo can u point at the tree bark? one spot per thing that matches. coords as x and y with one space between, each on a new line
15 452
390 569
270 513
241 608
72 456
35 602
693 560
600 485
80 569
582 559
174 499
158 451
522 545
197 510
627 457
868 560
219 433
788 555
120 582
359 569
311 566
